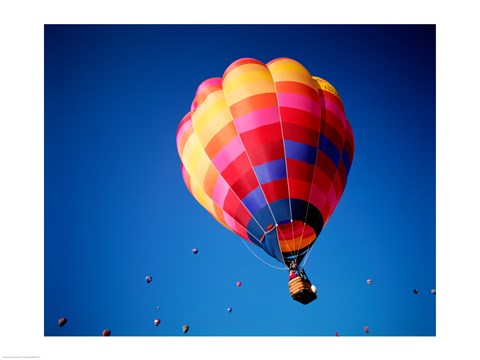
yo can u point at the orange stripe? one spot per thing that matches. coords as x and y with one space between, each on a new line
253 103
222 138
292 87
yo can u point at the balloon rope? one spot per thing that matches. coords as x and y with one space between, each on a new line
259 258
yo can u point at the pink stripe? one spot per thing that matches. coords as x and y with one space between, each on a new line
298 102
333 107
209 82
257 119
228 154
220 192
230 221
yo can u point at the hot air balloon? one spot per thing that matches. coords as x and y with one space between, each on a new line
62 321
415 291
148 279
229 309
365 328
156 322
239 283
266 150
194 251
433 291
185 328
336 333
369 281
106 332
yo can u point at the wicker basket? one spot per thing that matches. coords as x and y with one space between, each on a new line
301 290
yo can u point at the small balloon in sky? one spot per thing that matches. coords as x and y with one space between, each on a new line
415 291
239 283
336 333
369 281
158 307
185 328
314 288
156 322
433 291
194 251
62 321
229 309
106 332
366 329
148 279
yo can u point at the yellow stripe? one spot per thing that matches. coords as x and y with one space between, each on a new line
243 75
214 126
288 65
294 77
253 88
207 110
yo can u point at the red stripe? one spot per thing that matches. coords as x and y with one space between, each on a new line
300 134
263 153
327 165
275 190
236 169
301 170
242 215
262 135
245 184
300 117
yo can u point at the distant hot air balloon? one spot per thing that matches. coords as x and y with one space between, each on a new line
369 281
62 321
365 328
239 283
336 333
185 328
194 251
266 150
314 288
148 279
106 332
158 306
415 291
433 291
229 309
156 322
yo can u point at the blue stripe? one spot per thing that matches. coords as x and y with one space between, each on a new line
255 200
299 151
270 171
329 149
346 161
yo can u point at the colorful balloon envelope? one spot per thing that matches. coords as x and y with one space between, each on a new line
239 283
366 329
229 309
106 332
148 279
156 322
185 328
369 281
266 150
194 251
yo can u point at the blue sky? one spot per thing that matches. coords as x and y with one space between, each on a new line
116 208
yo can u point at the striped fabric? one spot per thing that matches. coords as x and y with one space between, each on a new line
267 149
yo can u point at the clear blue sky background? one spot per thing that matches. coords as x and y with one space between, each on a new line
116 208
